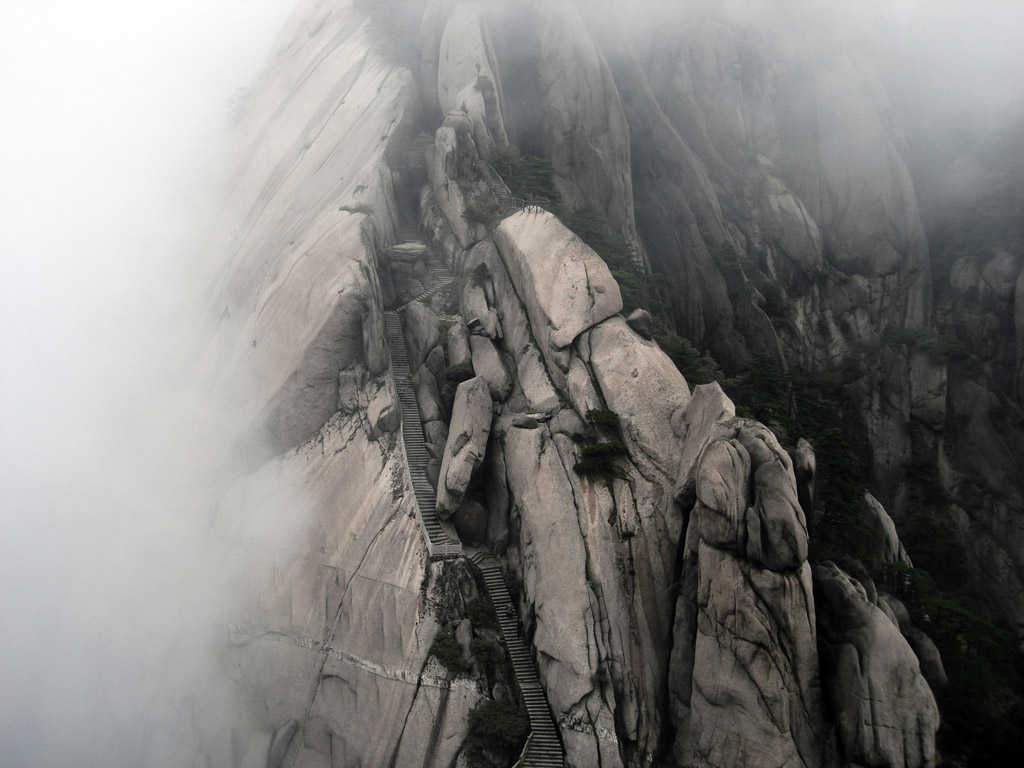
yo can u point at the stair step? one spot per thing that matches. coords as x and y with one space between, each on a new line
545 750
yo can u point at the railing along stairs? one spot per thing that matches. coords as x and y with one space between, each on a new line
543 748
439 543
509 203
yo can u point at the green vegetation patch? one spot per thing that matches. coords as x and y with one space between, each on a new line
481 613
948 349
527 177
498 725
483 208
487 653
697 367
604 419
599 459
454 375
983 705
481 275
448 651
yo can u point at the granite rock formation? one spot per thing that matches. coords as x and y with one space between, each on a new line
658 545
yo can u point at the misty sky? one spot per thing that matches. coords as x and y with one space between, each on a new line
110 115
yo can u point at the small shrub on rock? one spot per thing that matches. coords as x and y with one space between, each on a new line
482 615
483 209
448 651
599 459
487 653
604 419
481 274
459 373
498 725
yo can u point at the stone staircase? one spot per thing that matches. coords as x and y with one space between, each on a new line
543 750
438 274
508 202
438 542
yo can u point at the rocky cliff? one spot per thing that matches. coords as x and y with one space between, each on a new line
659 543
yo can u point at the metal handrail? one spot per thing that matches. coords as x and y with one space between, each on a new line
510 203
522 755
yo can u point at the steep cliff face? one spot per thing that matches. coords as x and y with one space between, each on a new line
658 544
635 517
330 615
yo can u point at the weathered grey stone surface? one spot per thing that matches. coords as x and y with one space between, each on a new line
488 365
582 392
743 668
478 316
445 160
464 71
755 698
928 656
805 469
531 374
427 395
333 553
554 556
296 282
927 390
467 443
885 712
704 503
585 133
316 530
886 546
640 321
422 332
458 344
644 388
767 527
565 285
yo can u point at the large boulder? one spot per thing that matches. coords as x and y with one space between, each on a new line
488 365
566 287
467 443
447 161
747 500
755 698
422 332
885 712
743 670
477 314
642 385
458 344
805 469
886 547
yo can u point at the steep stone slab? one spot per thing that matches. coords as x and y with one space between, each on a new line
646 390
292 281
566 287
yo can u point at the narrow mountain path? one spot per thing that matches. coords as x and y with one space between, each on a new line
415 445
543 749
509 203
